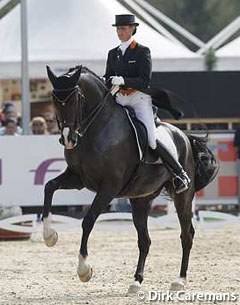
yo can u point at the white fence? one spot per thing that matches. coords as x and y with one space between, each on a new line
28 162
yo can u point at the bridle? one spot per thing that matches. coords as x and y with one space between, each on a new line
74 90
81 125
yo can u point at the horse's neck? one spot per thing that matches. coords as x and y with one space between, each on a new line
97 96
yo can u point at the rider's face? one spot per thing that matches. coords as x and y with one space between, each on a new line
125 32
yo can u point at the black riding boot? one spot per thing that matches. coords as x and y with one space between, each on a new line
180 177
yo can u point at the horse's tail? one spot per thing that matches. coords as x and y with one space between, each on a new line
205 161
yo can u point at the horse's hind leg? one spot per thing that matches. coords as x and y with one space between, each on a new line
140 211
183 206
66 180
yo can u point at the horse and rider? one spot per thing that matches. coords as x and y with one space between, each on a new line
101 150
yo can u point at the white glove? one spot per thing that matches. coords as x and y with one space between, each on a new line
118 81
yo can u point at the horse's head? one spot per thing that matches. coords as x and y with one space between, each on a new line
66 97
77 102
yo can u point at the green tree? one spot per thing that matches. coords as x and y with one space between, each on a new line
203 18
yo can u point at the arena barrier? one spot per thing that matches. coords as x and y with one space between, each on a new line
28 162
116 222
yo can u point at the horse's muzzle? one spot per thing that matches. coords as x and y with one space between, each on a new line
68 138
70 145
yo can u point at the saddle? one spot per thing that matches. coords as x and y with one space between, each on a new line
147 154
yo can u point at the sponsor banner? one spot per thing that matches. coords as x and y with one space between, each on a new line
28 162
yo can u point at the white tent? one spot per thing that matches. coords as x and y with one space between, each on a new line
66 33
229 56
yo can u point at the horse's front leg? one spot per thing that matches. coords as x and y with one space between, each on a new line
140 211
66 180
100 202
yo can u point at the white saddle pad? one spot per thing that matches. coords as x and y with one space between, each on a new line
163 137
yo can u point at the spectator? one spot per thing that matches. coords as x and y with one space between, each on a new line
38 126
10 128
8 112
51 123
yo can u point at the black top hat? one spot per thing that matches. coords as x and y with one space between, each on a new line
125 20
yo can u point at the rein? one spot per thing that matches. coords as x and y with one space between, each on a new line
87 122
84 123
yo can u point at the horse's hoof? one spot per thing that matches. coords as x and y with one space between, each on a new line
51 240
134 287
178 285
85 277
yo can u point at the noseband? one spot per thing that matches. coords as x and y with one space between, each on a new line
83 123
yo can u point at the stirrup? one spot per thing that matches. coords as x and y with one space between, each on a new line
181 182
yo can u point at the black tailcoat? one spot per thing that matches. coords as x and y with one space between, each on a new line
135 66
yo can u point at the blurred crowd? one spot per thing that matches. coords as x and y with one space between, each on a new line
11 122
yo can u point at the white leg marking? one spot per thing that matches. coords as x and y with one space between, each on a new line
50 235
134 287
84 270
178 284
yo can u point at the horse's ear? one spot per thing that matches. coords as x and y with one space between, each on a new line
52 77
75 77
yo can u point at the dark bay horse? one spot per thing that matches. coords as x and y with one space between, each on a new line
102 156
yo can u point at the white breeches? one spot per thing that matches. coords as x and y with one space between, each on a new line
142 105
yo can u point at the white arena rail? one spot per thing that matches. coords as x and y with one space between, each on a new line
123 221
